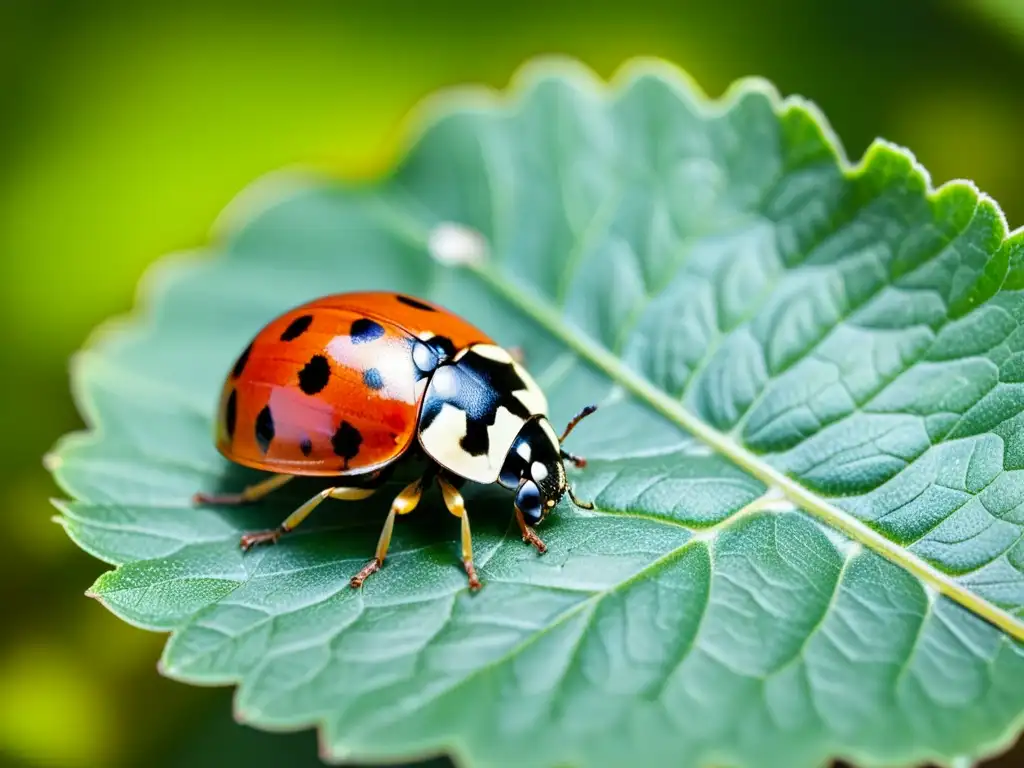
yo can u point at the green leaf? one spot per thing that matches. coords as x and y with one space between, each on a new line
807 464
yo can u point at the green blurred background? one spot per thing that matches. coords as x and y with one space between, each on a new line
125 128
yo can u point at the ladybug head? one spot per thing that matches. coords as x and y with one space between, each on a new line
535 467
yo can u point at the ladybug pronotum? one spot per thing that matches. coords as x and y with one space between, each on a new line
349 385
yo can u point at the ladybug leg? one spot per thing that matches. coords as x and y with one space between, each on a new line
404 503
529 535
249 494
457 506
293 520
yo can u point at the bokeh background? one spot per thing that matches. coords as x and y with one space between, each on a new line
126 127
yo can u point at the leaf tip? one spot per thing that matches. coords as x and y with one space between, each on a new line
96 590
63 508
989 203
52 461
245 715
539 69
164 669
323 748
889 158
640 67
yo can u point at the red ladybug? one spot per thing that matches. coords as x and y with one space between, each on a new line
347 385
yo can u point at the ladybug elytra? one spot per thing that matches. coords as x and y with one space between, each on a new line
350 384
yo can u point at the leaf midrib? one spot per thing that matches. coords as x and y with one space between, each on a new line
406 224
806 500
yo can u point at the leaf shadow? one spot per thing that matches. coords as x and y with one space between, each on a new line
430 528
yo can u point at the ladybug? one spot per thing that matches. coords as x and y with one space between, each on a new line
351 384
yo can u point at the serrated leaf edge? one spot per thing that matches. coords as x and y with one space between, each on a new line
408 132
435 108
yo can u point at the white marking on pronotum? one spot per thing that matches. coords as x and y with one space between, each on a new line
532 399
491 352
441 440
539 472
531 396
500 436
455 244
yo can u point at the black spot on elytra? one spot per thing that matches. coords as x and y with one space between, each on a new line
314 375
365 330
346 441
297 327
306 446
372 379
240 363
264 428
414 303
231 414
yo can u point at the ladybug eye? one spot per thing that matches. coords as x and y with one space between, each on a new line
528 502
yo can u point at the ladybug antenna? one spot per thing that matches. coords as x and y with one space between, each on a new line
577 460
577 502
576 420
